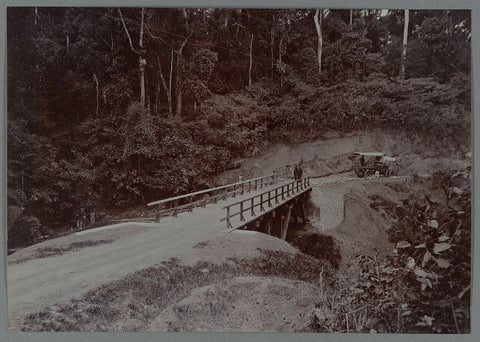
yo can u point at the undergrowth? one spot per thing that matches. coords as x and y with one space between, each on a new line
319 246
424 287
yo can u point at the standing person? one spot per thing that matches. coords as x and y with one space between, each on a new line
300 172
295 172
289 171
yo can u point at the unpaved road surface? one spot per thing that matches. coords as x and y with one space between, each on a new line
37 283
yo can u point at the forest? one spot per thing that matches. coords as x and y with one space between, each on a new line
109 108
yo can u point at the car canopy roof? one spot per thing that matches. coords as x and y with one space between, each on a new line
373 154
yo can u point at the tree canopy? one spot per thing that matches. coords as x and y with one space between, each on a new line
114 107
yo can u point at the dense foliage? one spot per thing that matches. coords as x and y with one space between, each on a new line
425 287
109 108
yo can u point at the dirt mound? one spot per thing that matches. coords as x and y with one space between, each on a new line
243 304
328 208
331 155
318 157
362 231
237 244
415 164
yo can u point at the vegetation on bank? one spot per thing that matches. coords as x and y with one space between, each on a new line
425 284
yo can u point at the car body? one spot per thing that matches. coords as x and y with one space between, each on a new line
374 164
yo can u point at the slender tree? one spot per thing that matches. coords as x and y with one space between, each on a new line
140 52
250 55
404 46
178 80
318 25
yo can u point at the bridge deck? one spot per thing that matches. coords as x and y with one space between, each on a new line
244 211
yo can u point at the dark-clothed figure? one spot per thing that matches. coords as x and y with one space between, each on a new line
299 172
295 172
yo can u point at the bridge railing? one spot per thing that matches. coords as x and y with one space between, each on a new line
191 200
265 199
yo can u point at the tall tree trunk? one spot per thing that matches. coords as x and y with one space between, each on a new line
272 43
157 92
351 16
178 111
251 61
36 15
178 80
142 62
280 62
317 18
68 46
169 94
168 89
404 47
96 86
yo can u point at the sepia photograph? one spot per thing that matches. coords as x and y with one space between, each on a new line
285 170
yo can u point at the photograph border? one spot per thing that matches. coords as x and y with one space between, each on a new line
473 5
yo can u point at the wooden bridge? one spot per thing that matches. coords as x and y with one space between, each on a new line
265 203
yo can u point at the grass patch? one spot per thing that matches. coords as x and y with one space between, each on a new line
46 252
131 303
201 244
399 187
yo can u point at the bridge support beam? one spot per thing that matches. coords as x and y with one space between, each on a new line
285 222
268 228
270 222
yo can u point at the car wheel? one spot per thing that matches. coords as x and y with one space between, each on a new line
360 173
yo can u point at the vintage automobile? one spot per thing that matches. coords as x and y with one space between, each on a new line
374 164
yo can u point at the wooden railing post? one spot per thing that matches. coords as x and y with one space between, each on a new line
276 196
255 185
241 212
175 211
269 199
242 190
261 203
251 206
191 204
229 225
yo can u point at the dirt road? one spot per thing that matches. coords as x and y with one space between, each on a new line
36 283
